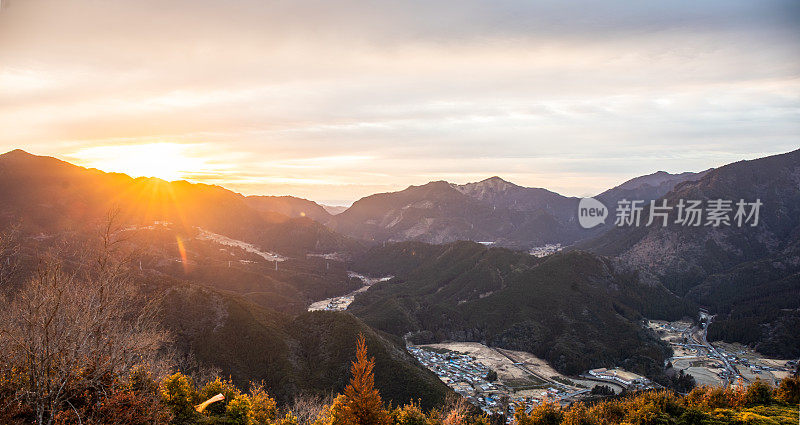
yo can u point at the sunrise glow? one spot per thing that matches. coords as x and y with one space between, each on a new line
511 211
328 102
167 161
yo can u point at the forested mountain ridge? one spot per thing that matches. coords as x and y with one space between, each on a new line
575 309
648 187
305 354
289 206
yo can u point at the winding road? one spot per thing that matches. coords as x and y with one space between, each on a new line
700 336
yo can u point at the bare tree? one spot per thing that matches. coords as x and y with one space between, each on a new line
307 407
65 333
9 256
455 411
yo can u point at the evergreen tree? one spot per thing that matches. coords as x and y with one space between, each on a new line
362 402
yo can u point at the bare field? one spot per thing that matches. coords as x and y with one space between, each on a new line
679 351
536 365
690 360
705 376
755 358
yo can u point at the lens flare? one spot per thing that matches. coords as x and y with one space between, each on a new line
182 251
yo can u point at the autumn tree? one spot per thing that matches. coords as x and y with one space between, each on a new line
410 414
758 393
789 390
263 407
547 413
361 404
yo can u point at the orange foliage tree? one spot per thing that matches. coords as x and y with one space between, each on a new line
361 404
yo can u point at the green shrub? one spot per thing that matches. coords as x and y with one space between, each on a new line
219 386
178 394
263 408
238 410
758 393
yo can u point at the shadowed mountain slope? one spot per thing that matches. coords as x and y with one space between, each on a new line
492 210
289 206
748 275
575 310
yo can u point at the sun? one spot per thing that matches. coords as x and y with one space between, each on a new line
167 161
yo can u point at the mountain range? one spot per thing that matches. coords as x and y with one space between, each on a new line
236 273
492 210
231 283
47 194
581 308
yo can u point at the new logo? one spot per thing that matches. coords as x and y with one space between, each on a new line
591 212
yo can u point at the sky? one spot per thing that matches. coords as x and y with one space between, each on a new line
335 100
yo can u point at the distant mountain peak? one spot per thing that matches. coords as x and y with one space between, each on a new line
17 153
658 178
495 179
493 183
334 209
498 182
19 158
438 185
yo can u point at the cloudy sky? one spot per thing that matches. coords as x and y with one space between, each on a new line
333 100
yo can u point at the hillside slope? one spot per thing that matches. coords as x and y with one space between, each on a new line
49 195
749 276
575 310
289 206
307 354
